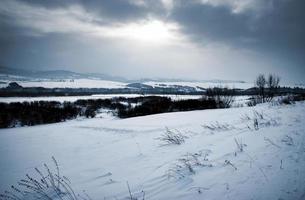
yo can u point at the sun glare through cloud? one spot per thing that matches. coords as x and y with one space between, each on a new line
152 99
147 31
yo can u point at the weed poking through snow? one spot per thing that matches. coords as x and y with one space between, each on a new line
47 185
288 140
259 120
172 137
240 145
216 126
227 162
187 164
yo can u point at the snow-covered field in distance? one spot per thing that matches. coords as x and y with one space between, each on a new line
98 96
69 83
100 155
203 84
99 83
238 100
69 79
96 83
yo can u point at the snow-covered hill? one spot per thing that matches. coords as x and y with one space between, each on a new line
237 153
68 79
67 83
100 83
202 84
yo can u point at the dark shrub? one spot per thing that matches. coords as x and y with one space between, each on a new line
42 112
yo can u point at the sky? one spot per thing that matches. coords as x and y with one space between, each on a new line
188 39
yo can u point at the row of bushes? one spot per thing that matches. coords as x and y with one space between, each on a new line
42 112
288 99
38 112
291 99
163 104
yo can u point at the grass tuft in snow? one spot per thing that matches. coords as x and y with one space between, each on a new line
216 126
47 185
259 120
240 145
172 137
227 162
188 164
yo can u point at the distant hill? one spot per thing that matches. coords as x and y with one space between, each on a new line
55 74
65 74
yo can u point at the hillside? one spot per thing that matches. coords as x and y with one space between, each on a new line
237 153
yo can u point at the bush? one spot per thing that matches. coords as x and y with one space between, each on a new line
254 101
223 96
267 93
291 99
47 185
154 105
42 112
172 137
37 112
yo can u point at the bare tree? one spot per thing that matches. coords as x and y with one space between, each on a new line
223 96
267 87
260 82
273 85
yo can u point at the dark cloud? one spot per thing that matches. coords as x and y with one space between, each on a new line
50 4
205 22
272 29
280 28
284 27
111 10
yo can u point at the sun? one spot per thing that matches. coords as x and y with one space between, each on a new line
148 31
152 31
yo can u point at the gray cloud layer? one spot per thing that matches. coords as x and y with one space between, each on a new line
215 36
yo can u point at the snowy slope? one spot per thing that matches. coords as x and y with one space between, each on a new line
202 84
68 83
98 83
98 96
99 155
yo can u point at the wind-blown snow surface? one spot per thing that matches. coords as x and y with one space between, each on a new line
99 155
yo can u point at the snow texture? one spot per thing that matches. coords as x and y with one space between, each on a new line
237 153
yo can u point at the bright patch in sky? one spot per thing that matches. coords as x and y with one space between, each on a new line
150 31
197 39
75 19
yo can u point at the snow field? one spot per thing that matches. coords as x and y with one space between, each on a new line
100 155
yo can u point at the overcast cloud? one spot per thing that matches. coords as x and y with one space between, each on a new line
195 39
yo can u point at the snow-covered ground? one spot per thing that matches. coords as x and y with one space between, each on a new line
98 83
69 83
100 155
99 96
94 82
206 84
238 100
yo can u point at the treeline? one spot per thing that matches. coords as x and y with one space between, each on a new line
38 112
154 105
16 90
42 112
41 92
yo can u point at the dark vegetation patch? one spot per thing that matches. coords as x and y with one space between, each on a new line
42 112
38 112
291 99
154 105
